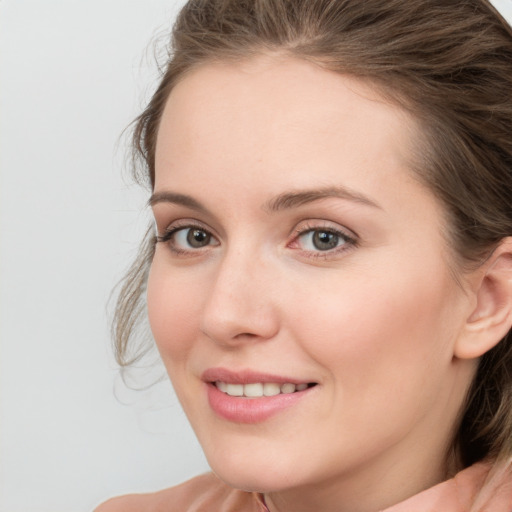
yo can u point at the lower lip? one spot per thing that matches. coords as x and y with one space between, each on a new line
251 410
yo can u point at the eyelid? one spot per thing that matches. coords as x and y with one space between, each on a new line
319 224
311 225
301 228
183 224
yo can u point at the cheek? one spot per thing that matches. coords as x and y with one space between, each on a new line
381 328
173 310
386 347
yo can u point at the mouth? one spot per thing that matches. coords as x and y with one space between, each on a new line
252 397
260 389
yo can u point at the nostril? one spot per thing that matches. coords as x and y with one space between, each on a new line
246 335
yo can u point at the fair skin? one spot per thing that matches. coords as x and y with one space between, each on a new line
296 242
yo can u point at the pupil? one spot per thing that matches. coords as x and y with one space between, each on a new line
323 240
197 238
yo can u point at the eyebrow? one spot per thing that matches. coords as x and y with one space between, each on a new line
174 198
295 199
285 201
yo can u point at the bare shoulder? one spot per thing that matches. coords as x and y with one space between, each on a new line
179 498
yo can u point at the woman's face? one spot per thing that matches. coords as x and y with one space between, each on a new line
298 252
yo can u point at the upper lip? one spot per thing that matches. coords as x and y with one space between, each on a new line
247 377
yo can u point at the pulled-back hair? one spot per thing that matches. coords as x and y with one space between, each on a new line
448 63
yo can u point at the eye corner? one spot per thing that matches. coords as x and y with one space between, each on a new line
321 239
185 238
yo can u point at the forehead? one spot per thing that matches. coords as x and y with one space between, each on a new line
275 119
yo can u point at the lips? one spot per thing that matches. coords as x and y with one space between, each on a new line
259 389
251 397
248 377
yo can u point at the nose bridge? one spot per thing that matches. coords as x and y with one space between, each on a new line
239 304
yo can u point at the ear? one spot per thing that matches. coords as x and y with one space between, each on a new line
491 318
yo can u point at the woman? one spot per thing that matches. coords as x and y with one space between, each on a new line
329 278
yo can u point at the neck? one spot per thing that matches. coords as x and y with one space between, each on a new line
366 489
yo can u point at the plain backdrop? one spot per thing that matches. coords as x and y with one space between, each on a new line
73 74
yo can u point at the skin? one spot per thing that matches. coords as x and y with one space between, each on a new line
375 322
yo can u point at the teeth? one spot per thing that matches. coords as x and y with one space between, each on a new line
259 389
271 389
235 389
253 390
288 388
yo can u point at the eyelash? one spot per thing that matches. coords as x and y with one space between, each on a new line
170 232
349 241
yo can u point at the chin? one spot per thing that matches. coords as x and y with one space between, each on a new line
255 474
254 482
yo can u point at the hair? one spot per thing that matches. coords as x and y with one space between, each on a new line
448 63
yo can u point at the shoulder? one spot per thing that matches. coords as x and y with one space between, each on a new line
201 494
483 487
495 489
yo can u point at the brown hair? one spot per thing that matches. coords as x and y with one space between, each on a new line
449 63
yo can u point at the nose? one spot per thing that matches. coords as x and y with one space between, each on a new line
239 306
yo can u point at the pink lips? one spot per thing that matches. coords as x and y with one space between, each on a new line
245 377
249 410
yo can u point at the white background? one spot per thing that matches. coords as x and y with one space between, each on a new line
73 74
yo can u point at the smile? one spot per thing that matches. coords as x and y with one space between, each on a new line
259 389
249 396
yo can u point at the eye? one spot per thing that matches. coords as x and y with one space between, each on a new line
321 240
193 237
183 239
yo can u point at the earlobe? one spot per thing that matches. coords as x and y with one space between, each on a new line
491 318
